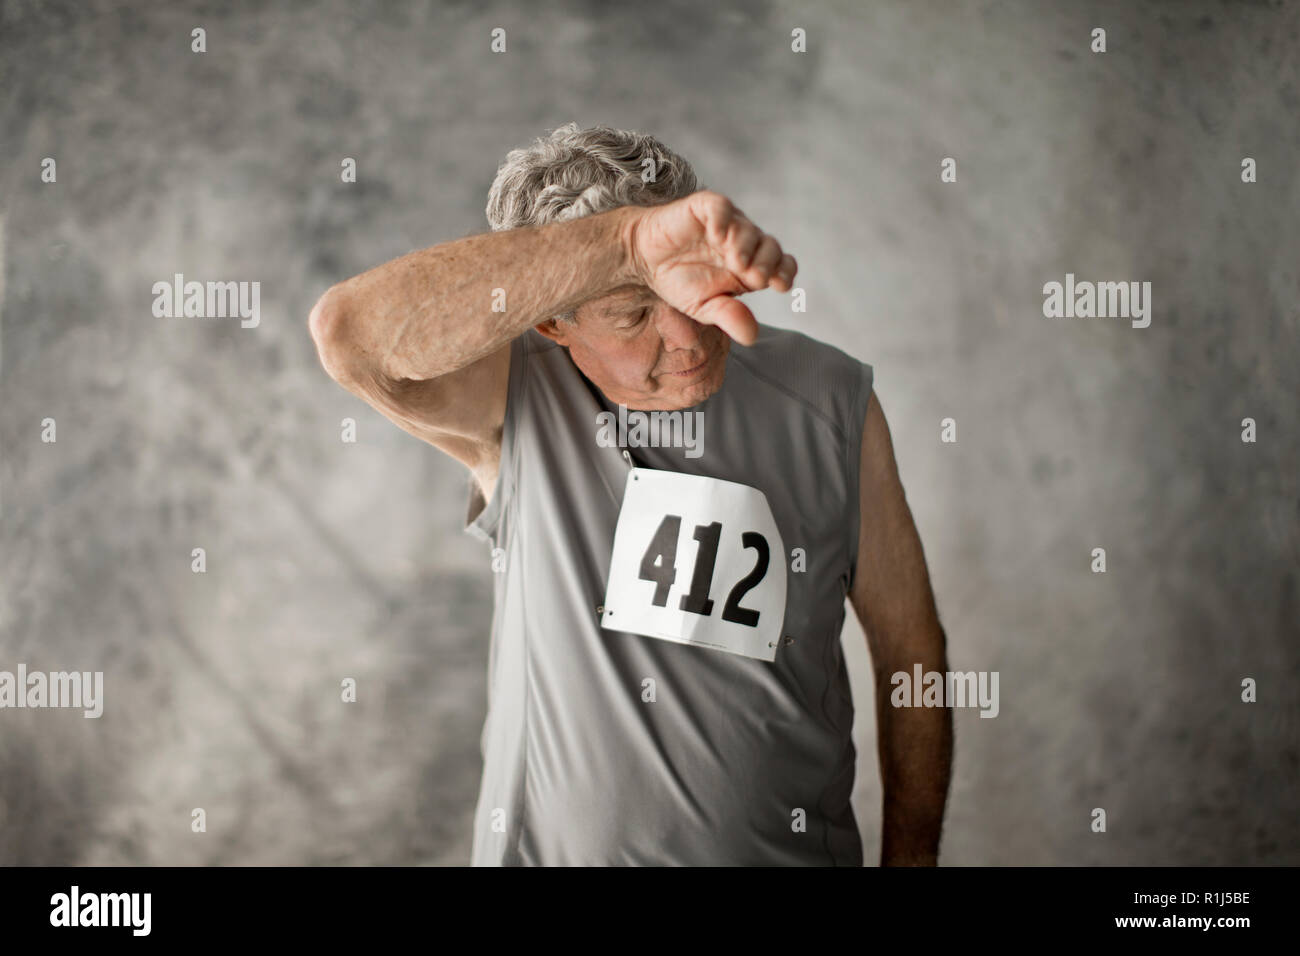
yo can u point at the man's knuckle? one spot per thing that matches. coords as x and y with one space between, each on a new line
722 207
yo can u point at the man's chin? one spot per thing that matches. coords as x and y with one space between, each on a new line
682 398
692 394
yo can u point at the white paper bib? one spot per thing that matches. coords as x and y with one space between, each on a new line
697 561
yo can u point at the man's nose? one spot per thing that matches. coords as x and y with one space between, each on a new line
677 329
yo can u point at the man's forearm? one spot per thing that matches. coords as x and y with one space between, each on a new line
440 309
915 745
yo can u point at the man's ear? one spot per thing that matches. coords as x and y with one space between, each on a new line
555 330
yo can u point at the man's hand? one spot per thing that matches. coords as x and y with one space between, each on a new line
700 252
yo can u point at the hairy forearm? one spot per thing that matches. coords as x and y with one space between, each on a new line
440 309
915 745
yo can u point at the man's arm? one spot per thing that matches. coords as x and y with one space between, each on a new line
417 337
892 599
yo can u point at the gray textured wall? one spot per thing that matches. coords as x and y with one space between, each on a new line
1118 690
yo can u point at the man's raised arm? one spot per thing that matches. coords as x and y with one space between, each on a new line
430 313
418 339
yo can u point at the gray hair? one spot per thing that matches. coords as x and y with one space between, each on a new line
576 172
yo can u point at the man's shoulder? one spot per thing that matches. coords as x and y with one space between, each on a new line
774 341
825 378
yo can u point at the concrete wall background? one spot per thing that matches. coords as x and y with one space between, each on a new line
328 560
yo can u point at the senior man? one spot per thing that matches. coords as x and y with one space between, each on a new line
666 680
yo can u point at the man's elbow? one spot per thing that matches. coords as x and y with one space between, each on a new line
898 646
328 324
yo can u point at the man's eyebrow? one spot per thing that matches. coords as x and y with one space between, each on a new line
629 302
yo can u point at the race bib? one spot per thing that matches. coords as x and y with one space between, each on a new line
697 561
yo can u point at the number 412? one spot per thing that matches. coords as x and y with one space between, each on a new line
657 566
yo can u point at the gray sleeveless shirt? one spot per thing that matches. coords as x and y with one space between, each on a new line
737 761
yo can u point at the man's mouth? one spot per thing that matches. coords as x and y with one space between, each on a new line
687 372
